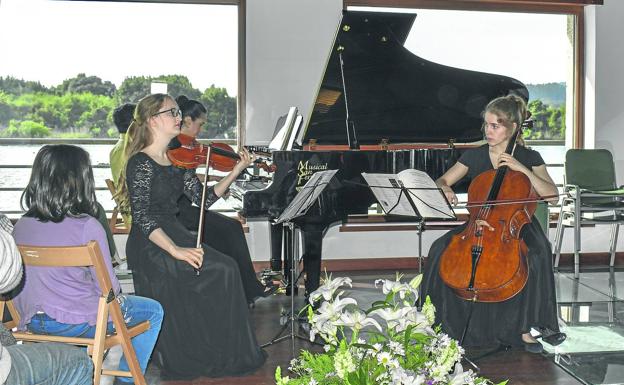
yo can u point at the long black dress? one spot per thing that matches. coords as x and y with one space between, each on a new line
502 322
226 235
206 329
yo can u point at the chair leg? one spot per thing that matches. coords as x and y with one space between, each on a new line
98 345
577 237
559 238
558 245
615 229
126 344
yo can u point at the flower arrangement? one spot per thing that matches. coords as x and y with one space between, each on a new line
391 343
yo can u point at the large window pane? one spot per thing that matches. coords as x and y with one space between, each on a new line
534 48
67 64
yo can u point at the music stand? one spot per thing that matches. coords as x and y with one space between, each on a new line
298 207
412 194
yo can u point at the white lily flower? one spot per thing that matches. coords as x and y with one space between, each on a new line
397 286
403 377
329 287
459 377
357 320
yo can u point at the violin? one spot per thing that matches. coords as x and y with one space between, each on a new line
192 154
490 265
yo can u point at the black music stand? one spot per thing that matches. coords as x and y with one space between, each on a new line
298 207
411 194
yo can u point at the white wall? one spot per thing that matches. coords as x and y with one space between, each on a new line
605 31
287 46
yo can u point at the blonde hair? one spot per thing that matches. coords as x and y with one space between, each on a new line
509 109
137 138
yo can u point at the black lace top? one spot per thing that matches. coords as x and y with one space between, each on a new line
154 190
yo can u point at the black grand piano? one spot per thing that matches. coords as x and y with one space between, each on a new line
380 109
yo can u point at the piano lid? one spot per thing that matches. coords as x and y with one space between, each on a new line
396 95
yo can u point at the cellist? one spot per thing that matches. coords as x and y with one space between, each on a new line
508 322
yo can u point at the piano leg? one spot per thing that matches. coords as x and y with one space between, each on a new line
276 247
312 248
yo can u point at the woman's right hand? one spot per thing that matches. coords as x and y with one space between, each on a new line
450 195
192 256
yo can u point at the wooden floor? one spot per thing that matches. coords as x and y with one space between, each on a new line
518 366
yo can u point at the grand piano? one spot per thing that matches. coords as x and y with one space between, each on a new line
379 108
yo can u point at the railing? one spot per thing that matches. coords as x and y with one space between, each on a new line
8 142
78 141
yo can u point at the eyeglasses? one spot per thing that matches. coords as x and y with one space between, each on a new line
175 112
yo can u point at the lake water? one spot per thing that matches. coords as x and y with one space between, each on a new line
25 154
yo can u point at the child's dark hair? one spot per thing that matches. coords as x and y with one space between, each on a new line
61 184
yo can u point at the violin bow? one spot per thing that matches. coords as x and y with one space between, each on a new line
200 226
508 201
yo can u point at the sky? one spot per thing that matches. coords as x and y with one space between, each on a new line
532 48
51 41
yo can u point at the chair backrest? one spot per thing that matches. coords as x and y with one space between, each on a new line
88 255
70 256
590 169
116 228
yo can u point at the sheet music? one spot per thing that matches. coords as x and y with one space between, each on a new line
280 141
307 195
428 199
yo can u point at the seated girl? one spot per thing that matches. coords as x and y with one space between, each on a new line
61 211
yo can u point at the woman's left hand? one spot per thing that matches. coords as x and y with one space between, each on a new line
505 159
246 159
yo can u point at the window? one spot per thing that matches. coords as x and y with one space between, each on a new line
67 64
536 48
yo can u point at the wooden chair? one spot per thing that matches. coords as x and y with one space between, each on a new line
116 223
84 256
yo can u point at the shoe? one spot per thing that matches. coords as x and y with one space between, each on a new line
533 347
269 290
555 338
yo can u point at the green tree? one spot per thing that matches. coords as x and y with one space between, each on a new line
132 89
11 85
548 121
83 83
26 129
179 85
221 113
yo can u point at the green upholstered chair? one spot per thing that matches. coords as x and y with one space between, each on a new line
591 197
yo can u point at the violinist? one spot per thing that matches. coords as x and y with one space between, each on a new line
221 232
207 329
508 322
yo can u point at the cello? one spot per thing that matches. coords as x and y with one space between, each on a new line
490 265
